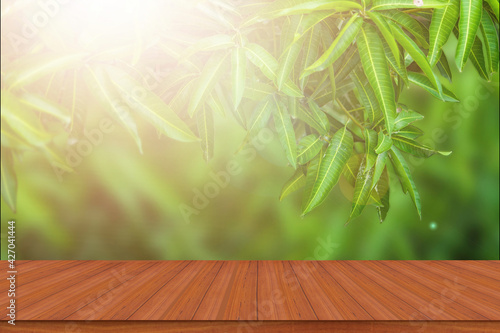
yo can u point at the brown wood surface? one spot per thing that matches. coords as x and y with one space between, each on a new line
255 291
252 326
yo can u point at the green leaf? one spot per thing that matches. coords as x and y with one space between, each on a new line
379 167
384 143
311 119
268 65
9 180
417 55
444 67
28 69
478 60
405 177
410 24
99 81
370 144
205 122
208 44
416 149
410 132
238 72
343 40
362 191
206 82
405 118
297 7
260 116
491 41
422 81
383 192
385 29
398 4
286 134
470 17
338 152
371 51
366 96
290 54
312 176
46 106
150 107
257 91
442 23
310 51
296 182
494 6
319 116
309 146
215 104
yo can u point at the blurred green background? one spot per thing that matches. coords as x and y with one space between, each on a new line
123 205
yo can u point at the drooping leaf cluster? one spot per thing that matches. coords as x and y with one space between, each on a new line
325 75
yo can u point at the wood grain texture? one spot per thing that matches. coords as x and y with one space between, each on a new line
252 326
255 291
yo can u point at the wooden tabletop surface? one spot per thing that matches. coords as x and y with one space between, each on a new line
255 290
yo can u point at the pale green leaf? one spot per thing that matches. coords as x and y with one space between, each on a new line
309 146
442 23
238 72
398 4
470 17
422 81
384 143
296 182
286 133
205 123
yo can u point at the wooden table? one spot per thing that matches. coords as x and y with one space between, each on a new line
254 296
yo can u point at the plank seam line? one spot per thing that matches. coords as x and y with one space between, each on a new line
163 285
140 272
341 286
297 278
206 291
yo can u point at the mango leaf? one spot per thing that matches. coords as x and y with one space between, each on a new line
151 107
310 51
370 144
366 96
100 83
44 105
208 44
371 51
398 4
297 7
405 177
470 17
286 134
309 146
343 40
9 180
257 91
385 29
238 71
268 65
384 143
405 118
206 82
290 54
491 41
205 122
296 182
417 55
312 176
494 6
442 23
215 104
383 192
260 116
416 149
410 132
29 69
362 191
336 156
318 116
478 59
409 24
379 167
444 67
423 82
310 119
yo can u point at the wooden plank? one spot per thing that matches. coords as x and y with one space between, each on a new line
61 304
328 298
232 295
131 295
442 298
253 326
279 294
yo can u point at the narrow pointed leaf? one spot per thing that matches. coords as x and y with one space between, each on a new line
205 122
410 24
470 17
370 145
379 167
398 4
371 51
384 143
491 40
296 7
336 156
403 172
416 149
45 106
405 118
309 146
383 190
385 29
286 134
362 191
422 81
442 23
206 82
367 96
291 53
478 60
260 116
296 182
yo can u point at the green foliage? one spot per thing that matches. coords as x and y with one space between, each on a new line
328 73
